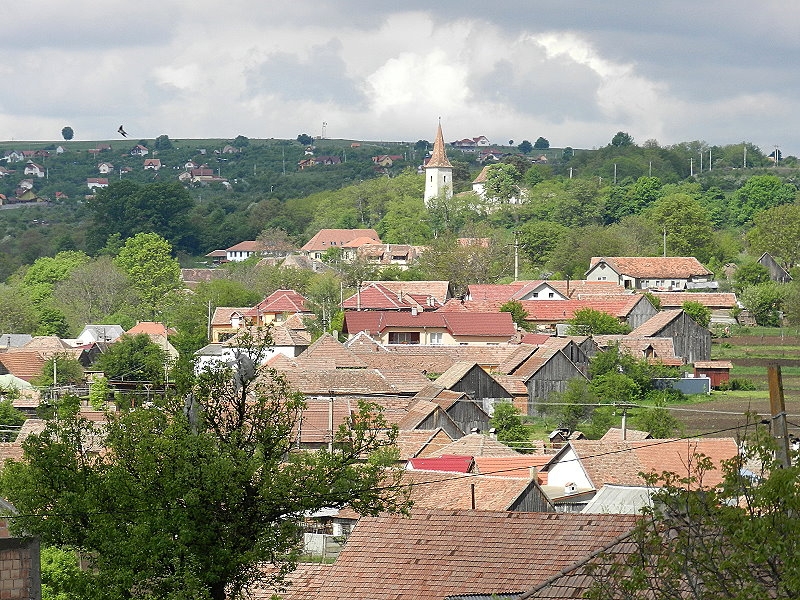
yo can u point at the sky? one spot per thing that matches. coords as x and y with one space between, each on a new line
573 72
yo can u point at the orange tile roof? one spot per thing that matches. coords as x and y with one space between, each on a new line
552 311
621 462
414 443
296 585
518 467
678 267
495 325
222 315
25 364
614 434
437 553
442 490
328 352
656 323
477 444
336 238
711 300
446 463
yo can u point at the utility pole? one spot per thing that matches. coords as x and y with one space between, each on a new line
615 173
691 166
330 423
516 256
665 241
709 161
778 408
744 162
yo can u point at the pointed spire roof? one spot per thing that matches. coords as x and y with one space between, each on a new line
439 156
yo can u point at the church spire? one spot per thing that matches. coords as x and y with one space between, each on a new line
439 156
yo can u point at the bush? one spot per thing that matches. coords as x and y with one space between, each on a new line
738 384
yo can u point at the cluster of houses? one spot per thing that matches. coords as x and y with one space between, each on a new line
486 518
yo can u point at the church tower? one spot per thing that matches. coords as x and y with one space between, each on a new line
438 171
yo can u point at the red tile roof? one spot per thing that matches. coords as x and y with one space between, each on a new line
25 364
437 553
280 301
552 311
415 443
492 325
518 467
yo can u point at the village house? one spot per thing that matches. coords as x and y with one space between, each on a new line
325 239
153 164
96 183
104 168
584 466
279 306
431 328
139 150
399 295
31 168
651 273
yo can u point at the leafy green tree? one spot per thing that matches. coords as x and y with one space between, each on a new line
699 313
194 495
134 358
573 406
567 153
62 577
93 291
588 321
305 139
17 312
622 139
541 143
422 145
240 141
127 208
163 142
502 183
525 147
539 238
67 133
147 260
687 225
765 302
749 273
760 192
658 421
99 393
66 369
402 224
45 272
507 421
777 231
654 300
615 388
733 541
518 313
9 416
536 174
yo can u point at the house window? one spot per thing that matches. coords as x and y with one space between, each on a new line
404 337
435 338
535 294
550 295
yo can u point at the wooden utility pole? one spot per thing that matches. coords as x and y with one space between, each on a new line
778 408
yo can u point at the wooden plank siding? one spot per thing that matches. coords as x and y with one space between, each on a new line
553 376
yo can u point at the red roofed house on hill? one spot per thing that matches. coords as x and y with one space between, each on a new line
399 295
326 239
652 272
435 328
276 307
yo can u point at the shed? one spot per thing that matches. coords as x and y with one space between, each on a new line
719 371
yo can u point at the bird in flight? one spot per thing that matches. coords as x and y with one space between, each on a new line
122 132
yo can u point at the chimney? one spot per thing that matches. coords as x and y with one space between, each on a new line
570 488
493 433
414 311
533 471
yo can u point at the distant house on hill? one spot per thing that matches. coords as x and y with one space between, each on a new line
152 163
33 169
95 183
139 150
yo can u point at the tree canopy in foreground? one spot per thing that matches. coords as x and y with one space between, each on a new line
193 496
735 541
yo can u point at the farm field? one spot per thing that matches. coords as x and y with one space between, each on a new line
750 352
